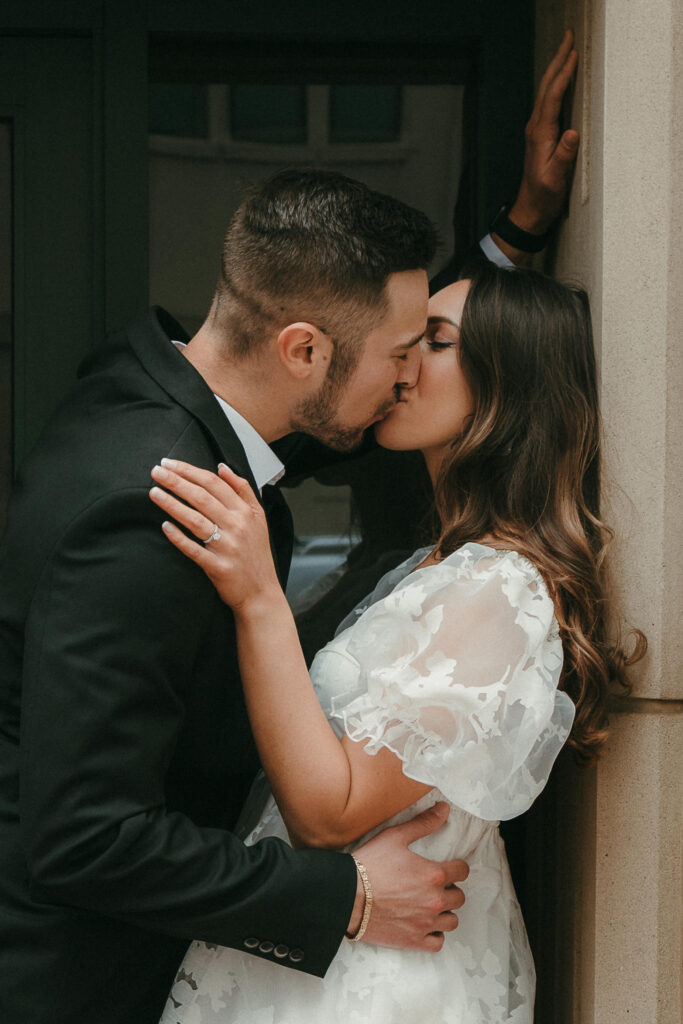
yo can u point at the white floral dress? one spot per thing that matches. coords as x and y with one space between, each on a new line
454 667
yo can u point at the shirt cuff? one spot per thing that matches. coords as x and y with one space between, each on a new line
494 254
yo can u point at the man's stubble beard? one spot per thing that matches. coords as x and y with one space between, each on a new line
315 416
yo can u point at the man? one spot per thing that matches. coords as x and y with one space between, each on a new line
125 751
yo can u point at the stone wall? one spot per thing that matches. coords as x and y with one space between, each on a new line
618 865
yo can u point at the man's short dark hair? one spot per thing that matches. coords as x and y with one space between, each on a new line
315 246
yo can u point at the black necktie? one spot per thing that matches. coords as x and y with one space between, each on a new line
281 529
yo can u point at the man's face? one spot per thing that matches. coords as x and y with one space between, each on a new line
390 359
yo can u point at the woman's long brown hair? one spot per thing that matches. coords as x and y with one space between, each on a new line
526 469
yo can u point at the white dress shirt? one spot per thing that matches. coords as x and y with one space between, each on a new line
264 464
495 255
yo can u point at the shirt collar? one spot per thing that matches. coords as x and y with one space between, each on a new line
263 462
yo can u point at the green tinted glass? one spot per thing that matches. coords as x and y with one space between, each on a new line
177 108
365 113
268 113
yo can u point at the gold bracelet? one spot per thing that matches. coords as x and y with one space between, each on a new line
367 909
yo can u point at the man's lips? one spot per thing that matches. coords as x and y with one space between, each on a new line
382 414
401 397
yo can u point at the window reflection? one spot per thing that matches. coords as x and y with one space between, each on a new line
179 109
365 113
268 113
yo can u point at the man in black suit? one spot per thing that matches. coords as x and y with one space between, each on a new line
125 749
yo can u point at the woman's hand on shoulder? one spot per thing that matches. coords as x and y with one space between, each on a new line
232 544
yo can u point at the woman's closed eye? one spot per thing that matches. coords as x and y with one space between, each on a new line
439 342
441 335
439 346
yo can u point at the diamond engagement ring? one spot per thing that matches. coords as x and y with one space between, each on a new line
215 535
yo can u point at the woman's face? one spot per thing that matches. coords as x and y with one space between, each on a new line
432 413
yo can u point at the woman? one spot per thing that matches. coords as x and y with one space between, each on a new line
460 678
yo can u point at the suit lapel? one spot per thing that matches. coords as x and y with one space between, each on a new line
281 530
150 338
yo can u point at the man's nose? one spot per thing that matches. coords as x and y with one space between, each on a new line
410 368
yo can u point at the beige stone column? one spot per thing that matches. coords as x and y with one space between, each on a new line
619 829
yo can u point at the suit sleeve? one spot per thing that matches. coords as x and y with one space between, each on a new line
110 646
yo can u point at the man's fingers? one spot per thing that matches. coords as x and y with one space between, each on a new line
423 824
561 161
448 922
568 145
454 898
456 871
552 70
551 104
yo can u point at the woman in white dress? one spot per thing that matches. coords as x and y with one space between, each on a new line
459 679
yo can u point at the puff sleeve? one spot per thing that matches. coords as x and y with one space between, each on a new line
457 673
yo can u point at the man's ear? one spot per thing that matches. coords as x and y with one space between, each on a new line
305 351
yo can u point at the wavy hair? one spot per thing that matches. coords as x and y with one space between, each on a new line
525 470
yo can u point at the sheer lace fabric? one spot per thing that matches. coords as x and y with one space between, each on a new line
454 667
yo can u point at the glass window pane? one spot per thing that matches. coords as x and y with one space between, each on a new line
176 108
365 113
5 316
268 113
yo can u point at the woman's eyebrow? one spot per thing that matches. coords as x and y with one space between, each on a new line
442 320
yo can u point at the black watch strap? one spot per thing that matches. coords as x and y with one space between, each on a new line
517 237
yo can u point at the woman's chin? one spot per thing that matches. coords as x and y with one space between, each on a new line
388 436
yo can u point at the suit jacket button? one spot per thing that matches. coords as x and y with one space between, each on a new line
296 956
266 946
281 951
250 943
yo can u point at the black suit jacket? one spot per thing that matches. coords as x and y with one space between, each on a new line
125 749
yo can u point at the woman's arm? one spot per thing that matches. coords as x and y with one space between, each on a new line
329 793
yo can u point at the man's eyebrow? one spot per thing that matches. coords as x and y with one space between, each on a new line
442 320
412 343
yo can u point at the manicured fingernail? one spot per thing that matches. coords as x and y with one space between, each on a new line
167 527
157 492
221 465
159 473
169 463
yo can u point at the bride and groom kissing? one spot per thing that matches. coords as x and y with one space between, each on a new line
139 680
